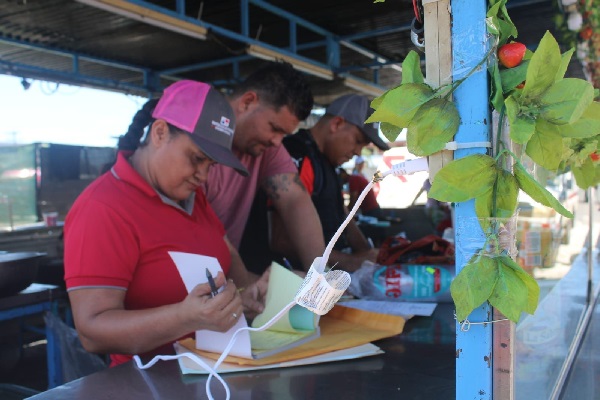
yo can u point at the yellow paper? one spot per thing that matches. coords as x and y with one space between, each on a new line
269 340
283 285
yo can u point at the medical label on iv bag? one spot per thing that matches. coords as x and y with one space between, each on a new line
319 292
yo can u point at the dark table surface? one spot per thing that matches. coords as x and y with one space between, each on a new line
417 364
35 293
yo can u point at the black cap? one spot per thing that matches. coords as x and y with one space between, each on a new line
355 109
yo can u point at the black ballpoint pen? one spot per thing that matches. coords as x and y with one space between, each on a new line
211 282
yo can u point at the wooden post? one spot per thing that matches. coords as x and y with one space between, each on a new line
438 61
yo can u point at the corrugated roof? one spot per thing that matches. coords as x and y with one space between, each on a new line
38 39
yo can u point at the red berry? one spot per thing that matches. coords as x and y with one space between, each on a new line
595 156
586 33
511 54
520 85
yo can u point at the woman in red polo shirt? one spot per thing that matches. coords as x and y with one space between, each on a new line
126 294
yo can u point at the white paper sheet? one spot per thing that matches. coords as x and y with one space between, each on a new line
400 308
192 267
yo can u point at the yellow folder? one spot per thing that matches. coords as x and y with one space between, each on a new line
341 328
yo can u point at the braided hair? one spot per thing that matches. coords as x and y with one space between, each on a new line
131 140
142 119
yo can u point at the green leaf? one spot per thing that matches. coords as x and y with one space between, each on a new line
510 294
376 102
492 26
586 126
585 146
546 145
507 30
411 69
566 100
564 64
496 96
587 175
464 179
521 125
501 21
506 192
432 126
543 68
473 285
390 131
536 191
399 105
483 208
522 129
511 77
533 289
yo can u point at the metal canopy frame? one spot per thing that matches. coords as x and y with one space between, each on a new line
177 21
361 73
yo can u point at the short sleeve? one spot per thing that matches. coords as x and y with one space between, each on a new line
101 248
276 160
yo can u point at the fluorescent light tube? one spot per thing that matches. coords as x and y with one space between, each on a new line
364 86
301 65
150 16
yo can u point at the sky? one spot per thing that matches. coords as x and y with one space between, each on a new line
64 114
59 113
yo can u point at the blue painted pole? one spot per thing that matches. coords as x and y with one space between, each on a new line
474 378
245 17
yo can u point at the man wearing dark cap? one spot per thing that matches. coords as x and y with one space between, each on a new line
317 152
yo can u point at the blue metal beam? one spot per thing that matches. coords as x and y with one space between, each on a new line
291 17
180 7
469 46
333 53
245 17
293 37
376 32
332 42
350 38
66 53
17 69
204 65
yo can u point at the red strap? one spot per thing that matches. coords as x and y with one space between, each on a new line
389 254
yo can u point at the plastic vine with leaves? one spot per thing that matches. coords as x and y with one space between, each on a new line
555 119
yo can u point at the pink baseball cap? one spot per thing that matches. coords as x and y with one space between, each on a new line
204 113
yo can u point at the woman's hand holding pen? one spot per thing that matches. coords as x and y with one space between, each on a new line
200 310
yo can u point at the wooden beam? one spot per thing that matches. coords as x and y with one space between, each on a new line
438 61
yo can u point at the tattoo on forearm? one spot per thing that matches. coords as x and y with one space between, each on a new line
277 184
